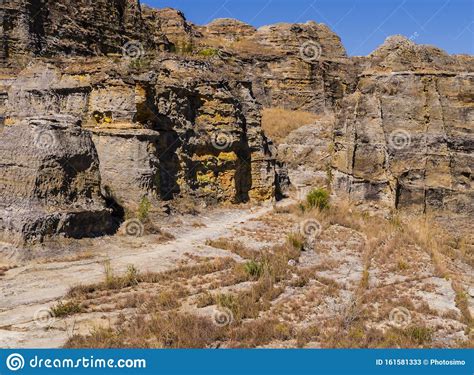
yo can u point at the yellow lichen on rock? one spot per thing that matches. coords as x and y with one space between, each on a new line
228 156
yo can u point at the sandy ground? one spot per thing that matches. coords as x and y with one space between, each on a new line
27 291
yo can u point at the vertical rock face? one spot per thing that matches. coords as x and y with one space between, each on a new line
50 181
405 136
74 27
228 28
174 25
163 133
295 66
178 115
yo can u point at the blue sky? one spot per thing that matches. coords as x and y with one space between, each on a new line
362 24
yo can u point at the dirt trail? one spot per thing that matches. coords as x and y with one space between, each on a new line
27 290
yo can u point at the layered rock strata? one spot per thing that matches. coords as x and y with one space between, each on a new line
159 133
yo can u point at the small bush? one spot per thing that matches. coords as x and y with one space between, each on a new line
66 309
296 241
318 198
209 52
132 275
144 209
254 269
109 277
418 334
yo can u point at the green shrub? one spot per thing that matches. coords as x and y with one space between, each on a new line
144 209
318 198
209 52
132 275
66 309
254 269
418 334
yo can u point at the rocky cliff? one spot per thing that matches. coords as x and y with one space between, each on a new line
79 27
163 110
397 125
405 136
150 128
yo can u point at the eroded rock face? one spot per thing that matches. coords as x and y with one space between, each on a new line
228 28
405 136
186 124
165 133
50 181
308 155
40 27
174 25
294 66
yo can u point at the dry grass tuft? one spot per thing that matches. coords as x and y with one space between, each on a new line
278 122
235 247
170 330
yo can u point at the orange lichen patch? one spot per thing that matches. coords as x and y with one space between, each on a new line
140 95
261 194
204 158
9 121
226 181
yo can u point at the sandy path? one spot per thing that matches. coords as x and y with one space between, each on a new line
26 290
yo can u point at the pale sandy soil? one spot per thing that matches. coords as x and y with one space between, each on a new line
396 281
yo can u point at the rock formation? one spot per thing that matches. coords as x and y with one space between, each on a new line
144 104
158 129
79 27
404 137
50 181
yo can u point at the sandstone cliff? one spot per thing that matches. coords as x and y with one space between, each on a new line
405 135
75 27
158 128
173 111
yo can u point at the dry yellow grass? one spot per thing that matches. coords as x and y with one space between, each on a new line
278 122
261 310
